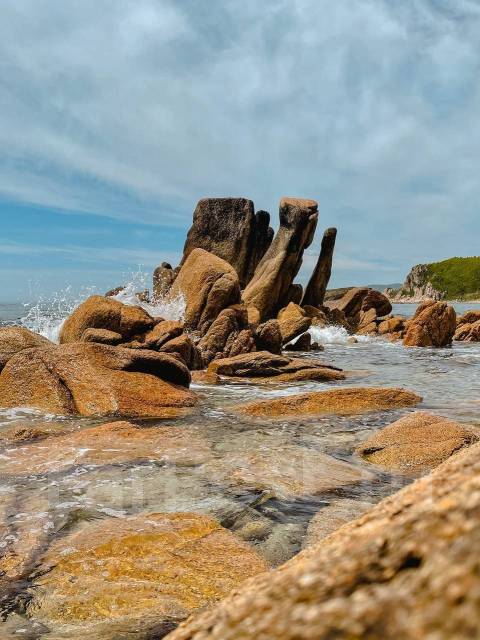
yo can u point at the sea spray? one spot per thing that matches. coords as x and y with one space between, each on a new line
47 315
333 334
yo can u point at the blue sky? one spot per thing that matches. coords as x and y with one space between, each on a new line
117 116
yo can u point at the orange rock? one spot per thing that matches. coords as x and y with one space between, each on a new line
433 325
93 379
98 312
16 339
346 401
137 576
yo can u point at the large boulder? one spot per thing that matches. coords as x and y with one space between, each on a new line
416 443
93 379
16 339
275 273
433 325
263 366
268 337
346 401
229 228
317 285
208 284
137 576
98 312
407 569
293 321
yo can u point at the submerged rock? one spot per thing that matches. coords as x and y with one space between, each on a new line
277 269
346 401
433 325
417 442
13 340
137 576
208 284
94 380
112 443
332 517
98 312
283 469
407 569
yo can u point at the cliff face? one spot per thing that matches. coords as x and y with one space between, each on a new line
417 287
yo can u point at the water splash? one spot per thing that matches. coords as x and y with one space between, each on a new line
333 334
47 315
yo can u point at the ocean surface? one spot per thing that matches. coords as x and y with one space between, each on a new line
447 379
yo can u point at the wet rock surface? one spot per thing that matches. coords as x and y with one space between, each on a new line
138 575
408 568
345 401
416 443
433 325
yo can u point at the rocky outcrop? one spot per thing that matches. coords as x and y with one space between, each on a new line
102 336
276 271
208 284
262 366
13 340
163 278
317 285
98 312
347 401
92 379
416 443
416 288
293 321
268 337
362 307
137 576
433 325
228 335
407 569
229 228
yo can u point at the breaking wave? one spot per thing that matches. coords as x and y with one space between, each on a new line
333 334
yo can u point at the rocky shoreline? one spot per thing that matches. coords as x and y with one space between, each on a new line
394 572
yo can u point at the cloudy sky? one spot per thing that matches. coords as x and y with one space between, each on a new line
117 116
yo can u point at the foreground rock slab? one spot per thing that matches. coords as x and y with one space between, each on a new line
95 380
417 442
346 401
138 576
407 569
111 443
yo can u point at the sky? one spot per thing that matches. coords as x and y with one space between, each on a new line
117 116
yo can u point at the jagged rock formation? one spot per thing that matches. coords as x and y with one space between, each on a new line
229 228
416 287
163 278
317 285
275 273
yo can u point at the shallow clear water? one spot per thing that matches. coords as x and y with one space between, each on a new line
55 501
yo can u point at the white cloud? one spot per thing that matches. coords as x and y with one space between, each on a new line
135 110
